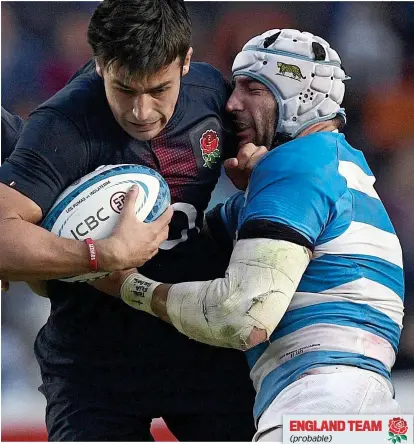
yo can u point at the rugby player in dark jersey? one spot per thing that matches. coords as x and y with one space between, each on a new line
108 370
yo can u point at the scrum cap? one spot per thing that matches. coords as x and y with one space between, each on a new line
303 72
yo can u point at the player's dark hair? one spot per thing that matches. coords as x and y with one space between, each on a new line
141 36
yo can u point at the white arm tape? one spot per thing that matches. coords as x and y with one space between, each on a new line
260 281
137 291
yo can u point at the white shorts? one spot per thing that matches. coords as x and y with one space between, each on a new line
331 389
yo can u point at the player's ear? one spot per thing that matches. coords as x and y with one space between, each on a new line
98 68
187 60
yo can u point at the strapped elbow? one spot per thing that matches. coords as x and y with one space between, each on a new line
241 310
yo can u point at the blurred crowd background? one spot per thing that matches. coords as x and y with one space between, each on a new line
44 43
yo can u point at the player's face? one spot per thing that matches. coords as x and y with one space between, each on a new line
143 107
254 110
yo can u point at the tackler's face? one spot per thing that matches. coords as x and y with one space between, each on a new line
143 107
254 110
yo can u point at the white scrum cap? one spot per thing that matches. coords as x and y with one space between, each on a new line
303 72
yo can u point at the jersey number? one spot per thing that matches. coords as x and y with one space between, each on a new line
191 214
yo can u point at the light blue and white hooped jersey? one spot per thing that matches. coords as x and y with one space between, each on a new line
348 307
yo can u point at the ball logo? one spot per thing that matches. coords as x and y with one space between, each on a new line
89 224
117 201
397 430
209 144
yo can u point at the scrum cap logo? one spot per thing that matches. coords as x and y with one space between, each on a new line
284 68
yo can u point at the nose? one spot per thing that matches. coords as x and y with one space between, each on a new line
234 103
142 108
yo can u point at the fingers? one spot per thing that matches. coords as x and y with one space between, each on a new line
165 218
245 153
129 201
239 169
249 155
231 163
255 158
159 239
162 236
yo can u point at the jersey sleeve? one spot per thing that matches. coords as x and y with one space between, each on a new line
292 192
50 154
222 220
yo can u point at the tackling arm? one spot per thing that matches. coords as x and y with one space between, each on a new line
237 311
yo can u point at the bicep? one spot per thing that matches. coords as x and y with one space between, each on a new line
50 155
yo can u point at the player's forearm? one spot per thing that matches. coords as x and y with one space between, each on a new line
28 252
238 311
197 323
159 302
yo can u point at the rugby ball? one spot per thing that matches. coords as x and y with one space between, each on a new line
90 207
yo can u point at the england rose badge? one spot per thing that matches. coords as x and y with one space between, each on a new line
209 144
397 430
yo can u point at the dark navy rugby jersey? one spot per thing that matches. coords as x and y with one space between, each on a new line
11 127
93 337
74 132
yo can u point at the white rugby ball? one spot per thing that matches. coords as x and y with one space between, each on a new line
91 206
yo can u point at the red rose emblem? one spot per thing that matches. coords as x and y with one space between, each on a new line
398 426
209 142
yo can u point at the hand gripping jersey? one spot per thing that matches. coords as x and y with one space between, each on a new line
69 136
348 307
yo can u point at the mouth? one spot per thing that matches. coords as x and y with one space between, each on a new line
244 137
144 126
241 126
242 132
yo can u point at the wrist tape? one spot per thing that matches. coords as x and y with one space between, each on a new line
137 291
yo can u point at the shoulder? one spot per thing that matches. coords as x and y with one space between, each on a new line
310 162
306 154
82 96
203 76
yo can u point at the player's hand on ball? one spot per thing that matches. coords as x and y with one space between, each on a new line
112 284
134 242
239 168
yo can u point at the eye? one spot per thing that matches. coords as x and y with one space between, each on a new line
125 90
256 91
158 92
256 88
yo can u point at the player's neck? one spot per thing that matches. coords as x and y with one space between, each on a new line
327 126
